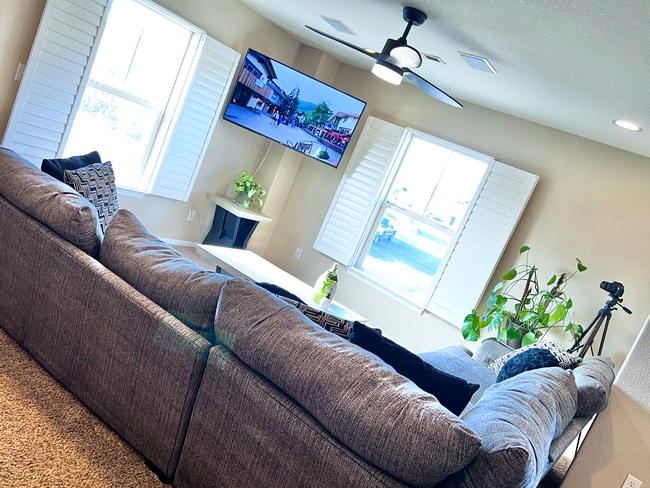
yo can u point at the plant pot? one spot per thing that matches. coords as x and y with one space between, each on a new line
240 199
516 344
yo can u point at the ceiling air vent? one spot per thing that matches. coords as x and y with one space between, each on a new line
435 59
478 62
338 25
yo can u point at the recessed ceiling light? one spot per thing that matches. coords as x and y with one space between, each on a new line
338 25
624 124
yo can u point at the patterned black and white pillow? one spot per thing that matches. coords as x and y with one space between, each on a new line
336 325
566 360
96 183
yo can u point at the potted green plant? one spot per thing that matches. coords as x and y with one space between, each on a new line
522 319
323 154
248 191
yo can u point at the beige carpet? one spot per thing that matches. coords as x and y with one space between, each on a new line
49 439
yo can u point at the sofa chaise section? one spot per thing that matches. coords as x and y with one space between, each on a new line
127 359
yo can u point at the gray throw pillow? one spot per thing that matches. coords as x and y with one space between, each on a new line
159 272
379 414
96 183
594 378
517 420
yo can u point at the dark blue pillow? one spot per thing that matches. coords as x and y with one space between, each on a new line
527 361
56 167
452 392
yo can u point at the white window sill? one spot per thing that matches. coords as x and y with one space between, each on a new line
130 193
370 280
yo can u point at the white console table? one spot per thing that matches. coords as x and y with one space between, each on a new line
247 264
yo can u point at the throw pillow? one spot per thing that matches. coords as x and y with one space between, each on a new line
452 392
565 360
57 167
527 361
336 325
97 184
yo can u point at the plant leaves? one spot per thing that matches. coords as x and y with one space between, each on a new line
528 339
569 304
492 300
559 313
470 326
510 274
552 280
581 267
501 301
524 249
498 286
513 334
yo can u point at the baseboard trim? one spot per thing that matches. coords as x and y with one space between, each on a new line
176 242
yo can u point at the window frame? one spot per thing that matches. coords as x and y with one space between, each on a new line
382 203
150 163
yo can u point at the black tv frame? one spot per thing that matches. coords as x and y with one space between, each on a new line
232 91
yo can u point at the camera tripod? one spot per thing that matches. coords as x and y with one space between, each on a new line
604 315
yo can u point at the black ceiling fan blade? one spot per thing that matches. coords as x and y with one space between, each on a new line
372 54
430 88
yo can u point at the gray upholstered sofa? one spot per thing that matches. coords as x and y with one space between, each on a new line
218 383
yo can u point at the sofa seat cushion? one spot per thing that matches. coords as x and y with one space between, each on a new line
159 272
457 360
96 183
517 420
594 378
51 202
56 167
379 414
453 392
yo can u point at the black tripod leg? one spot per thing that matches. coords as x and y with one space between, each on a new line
585 347
602 339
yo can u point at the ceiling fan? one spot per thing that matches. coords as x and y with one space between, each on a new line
397 58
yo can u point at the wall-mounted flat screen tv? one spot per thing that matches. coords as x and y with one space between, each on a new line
294 109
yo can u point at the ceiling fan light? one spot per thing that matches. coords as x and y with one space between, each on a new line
387 72
407 56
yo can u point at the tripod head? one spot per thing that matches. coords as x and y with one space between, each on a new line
615 291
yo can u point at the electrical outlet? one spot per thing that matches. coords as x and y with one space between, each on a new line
20 72
192 214
631 482
298 253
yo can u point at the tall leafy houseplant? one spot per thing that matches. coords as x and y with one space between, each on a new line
251 191
529 315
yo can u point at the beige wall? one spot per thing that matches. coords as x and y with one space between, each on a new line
618 443
18 23
591 202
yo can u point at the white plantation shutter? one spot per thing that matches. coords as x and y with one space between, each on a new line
359 190
194 124
482 241
56 73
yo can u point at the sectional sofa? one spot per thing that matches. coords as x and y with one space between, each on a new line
218 383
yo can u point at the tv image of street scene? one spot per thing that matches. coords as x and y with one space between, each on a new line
293 109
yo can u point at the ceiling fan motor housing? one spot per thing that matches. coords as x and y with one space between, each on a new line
411 14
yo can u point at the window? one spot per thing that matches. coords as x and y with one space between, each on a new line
420 215
127 78
423 220
130 86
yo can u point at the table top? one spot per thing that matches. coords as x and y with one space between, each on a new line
247 264
238 210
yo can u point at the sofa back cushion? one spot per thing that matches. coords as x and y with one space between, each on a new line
594 378
156 270
379 414
517 420
50 202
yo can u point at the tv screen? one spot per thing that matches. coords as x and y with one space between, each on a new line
294 109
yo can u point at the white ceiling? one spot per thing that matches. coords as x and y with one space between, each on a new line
572 65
